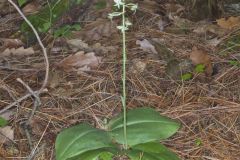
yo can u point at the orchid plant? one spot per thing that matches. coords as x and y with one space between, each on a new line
135 134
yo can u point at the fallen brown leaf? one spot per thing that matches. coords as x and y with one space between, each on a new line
80 62
138 66
77 44
201 57
229 23
6 133
146 46
10 43
148 6
31 7
97 30
17 52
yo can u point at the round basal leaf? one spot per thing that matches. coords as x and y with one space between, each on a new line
82 141
106 156
98 154
151 151
143 125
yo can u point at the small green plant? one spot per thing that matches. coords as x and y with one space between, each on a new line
199 68
234 63
198 142
45 18
66 31
231 45
186 76
135 133
21 2
101 4
3 122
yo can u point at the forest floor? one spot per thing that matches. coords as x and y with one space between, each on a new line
86 87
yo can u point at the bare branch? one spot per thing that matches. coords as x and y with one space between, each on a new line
39 41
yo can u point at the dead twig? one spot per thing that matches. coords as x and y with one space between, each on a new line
34 93
35 148
20 100
37 101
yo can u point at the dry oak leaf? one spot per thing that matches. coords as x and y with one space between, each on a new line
97 30
201 57
31 8
138 66
146 46
148 6
6 133
229 23
10 43
17 52
80 62
77 44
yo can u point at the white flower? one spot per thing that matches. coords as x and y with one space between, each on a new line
118 3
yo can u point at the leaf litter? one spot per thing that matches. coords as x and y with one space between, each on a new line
80 61
160 46
6 132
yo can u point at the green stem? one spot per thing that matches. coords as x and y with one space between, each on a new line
124 77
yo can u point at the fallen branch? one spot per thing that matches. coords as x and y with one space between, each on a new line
39 41
42 89
20 100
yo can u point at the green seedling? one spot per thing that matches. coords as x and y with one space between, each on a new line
22 2
44 20
231 45
66 31
186 76
46 17
3 122
200 68
198 142
234 63
101 4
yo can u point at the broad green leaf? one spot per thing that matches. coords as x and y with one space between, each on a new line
151 151
106 156
3 122
82 141
143 125
97 154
